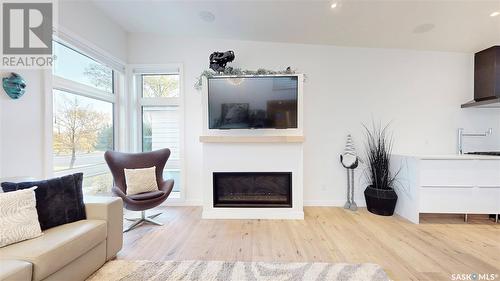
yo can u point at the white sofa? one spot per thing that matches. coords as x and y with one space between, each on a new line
71 251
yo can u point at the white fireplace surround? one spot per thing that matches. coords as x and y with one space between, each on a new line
250 157
253 150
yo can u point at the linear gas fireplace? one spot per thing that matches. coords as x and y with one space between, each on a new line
253 190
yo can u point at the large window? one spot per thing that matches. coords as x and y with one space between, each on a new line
74 66
161 120
83 118
160 86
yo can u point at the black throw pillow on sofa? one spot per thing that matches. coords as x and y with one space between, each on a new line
58 201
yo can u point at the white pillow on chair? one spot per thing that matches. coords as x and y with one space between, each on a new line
141 180
18 216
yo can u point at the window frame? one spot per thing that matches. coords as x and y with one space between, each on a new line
55 82
135 73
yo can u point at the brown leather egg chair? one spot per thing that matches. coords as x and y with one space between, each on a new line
118 161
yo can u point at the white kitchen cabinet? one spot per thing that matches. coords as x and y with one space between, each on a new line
460 184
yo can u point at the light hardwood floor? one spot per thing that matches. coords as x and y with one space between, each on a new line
433 250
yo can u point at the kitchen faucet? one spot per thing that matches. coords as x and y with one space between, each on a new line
461 134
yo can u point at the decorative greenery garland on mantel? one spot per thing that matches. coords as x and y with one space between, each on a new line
229 71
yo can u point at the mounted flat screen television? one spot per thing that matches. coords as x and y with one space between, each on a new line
267 102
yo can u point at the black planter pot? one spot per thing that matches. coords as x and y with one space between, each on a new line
380 201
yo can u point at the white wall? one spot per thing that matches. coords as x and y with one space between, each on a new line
420 92
21 129
22 121
83 19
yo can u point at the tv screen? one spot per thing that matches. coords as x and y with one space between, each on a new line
252 102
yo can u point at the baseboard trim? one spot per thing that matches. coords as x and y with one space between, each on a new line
183 203
307 203
253 214
330 203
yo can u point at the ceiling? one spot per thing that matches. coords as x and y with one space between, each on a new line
463 26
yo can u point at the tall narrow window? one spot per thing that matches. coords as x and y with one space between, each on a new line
161 120
83 118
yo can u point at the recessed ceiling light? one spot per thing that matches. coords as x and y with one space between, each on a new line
207 16
494 14
334 5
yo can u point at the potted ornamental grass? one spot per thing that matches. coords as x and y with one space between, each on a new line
379 195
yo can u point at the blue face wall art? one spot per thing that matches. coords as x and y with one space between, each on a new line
14 85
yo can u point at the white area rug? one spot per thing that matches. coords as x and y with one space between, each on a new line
235 271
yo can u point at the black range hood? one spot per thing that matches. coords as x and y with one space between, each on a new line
486 79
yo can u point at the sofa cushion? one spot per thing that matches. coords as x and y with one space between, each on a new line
15 270
57 246
18 217
58 200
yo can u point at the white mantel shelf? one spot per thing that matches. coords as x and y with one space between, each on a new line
252 139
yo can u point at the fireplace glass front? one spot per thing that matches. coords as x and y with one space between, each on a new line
253 189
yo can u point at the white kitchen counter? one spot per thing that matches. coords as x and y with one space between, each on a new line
451 156
452 184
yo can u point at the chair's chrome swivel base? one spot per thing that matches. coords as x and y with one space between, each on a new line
142 219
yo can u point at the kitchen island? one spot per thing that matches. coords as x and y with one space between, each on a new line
447 184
